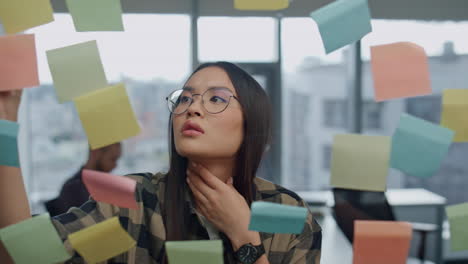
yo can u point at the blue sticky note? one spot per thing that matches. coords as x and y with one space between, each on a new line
277 218
8 143
342 22
418 146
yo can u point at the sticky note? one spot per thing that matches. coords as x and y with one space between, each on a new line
195 252
107 116
18 63
277 218
360 162
92 15
455 112
76 70
101 241
419 147
400 70
261 5
9 144
34 240
116 190
20 15
342 22
383 242
458 217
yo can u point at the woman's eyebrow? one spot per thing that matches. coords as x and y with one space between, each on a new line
188 88
191 89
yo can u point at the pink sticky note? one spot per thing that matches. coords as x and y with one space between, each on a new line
108 188
383 242
18 62
400 70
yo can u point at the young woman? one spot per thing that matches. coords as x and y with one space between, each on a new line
219 130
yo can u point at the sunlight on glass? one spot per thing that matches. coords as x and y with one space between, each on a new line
302 43
148 48
249 39
430 35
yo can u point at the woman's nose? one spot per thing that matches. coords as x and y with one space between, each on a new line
195 108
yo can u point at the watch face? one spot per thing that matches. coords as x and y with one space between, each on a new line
248 254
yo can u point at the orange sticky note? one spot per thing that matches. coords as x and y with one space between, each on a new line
18 62
116 190
400 70
383 242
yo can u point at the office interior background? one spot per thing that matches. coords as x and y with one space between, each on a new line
314 95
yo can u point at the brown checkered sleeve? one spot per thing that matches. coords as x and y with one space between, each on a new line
93 212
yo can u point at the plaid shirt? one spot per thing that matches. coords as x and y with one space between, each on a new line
146 225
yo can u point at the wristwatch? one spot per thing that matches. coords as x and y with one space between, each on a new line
249 254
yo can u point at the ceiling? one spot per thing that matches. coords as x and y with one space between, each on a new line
455 10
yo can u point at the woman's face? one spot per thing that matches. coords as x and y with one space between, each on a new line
219 135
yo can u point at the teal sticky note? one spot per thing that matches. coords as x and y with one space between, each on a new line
34 240
419 147
277 218
342 22
195 252
96 15
458 218
8 143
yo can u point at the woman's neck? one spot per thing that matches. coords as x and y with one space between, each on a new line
222 169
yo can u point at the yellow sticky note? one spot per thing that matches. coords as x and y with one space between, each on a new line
455 112
101 241
20 15
267 5
360 162
107 116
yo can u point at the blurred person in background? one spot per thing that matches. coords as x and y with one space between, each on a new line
74 192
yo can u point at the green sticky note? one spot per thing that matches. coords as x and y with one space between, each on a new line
418 146
360 162
76 70
96 15
8 143
277 218
195 252
458 218
34 240
342 22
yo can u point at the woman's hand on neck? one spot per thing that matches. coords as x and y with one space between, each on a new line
221 168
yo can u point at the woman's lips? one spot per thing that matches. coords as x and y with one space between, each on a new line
191 128
191 133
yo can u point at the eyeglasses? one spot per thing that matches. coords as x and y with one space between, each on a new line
215 100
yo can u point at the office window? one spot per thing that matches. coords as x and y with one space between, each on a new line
314 91
448 61
372 115
334 113
326 157
150 60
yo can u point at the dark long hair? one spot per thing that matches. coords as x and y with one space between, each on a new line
256 110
